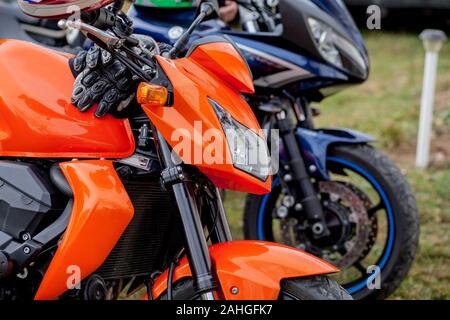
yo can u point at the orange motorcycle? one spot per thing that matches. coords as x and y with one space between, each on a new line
104 208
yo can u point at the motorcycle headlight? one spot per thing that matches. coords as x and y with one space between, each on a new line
336 49
248 150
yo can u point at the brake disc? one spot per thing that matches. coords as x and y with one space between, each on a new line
349 205
373 219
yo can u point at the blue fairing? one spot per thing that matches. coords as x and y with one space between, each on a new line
318 74
315 143
306 63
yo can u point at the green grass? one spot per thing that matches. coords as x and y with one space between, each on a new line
387 107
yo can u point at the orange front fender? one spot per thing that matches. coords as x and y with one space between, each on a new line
255 268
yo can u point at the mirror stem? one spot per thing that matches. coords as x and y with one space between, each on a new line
206 9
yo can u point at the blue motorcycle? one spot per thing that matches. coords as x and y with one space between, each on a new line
334 195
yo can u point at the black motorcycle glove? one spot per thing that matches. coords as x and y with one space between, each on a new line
101 80
105 81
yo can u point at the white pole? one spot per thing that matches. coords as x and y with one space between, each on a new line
426 110
433 41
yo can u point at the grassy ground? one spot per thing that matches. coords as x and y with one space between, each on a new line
387 106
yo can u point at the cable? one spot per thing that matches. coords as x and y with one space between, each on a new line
173 264
169 280
149 286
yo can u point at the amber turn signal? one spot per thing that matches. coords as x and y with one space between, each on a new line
152 94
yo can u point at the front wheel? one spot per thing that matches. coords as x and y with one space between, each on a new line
370 211
306 288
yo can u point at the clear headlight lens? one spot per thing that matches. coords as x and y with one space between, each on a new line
324 38
336 49
248 150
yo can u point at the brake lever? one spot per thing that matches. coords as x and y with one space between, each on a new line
106 38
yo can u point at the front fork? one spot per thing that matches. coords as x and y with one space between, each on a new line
303 189
195 242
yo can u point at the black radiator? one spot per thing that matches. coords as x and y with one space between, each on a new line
144 244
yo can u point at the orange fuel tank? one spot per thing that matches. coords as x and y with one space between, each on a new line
36 117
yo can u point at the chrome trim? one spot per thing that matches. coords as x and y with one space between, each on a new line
138 161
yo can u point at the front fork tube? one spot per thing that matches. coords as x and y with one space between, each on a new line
196 245
304 190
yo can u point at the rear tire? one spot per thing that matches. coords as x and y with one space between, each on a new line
306 288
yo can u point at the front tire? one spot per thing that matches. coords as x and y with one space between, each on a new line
402 217
306 288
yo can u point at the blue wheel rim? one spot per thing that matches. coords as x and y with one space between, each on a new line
391 227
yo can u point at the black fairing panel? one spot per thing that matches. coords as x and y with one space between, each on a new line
26 196
295 15
295 29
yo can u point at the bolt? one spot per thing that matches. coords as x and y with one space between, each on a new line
334 197
312 168
298 207
26 236
282 212
287 177
317 228
288 201
26 250
348 245
234 290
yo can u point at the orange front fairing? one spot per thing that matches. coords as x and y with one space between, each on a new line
255 268
36 117
191 117
224 61
101 212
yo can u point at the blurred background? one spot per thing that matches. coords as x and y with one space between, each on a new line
387 106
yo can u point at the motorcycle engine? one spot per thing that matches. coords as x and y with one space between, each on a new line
28 203
27 200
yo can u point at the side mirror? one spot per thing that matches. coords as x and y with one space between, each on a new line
207 9
210 7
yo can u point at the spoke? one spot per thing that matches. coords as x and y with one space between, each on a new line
360 267
375 209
